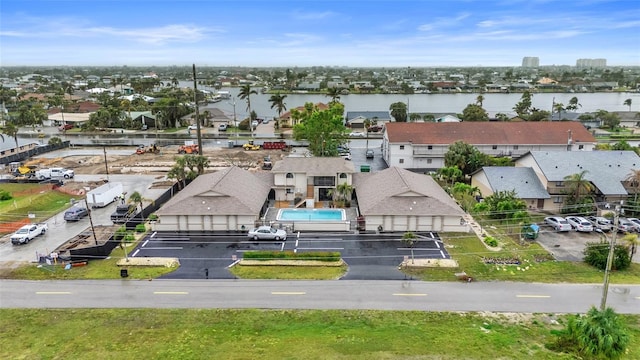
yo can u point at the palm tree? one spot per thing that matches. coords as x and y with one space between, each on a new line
559 108
334 94
410 239
277 101
627 103
577 185
136 198
245 93
11 130
631 242
634 180
573 104
480 100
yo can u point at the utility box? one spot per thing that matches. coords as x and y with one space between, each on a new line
365 168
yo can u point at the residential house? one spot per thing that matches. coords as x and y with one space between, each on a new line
422 146
356 119
231 199
522 180
287 120
395 199
606 170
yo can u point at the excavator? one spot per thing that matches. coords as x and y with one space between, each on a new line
188 149
153 149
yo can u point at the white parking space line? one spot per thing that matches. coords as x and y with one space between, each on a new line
419 249
135 253
165 248
145 243
288 293
319 248
401 294
170 293
534 296
437 244
153 235
53 293
442 253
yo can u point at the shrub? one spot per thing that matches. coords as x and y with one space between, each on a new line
129 238
55 141
489 240
596 254
153 217
120 233
5 195
290 255
140 228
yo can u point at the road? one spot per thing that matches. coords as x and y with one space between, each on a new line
266 294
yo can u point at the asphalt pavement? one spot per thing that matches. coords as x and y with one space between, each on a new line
209 255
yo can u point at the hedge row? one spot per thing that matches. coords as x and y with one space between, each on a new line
290 255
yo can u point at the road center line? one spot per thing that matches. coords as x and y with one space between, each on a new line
401 294
170 293
533 296
288 293
53 293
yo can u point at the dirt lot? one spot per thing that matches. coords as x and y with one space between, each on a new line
566 246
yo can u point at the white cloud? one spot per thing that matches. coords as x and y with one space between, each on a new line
158 35
444 22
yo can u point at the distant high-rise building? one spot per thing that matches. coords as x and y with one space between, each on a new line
530 62
591 63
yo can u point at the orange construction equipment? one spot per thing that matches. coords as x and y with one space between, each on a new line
153 149
188 149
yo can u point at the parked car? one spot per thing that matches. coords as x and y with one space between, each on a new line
375 128
625 225
357 134
600 223
75 213
254 124
66 127
192 127
369 154
222 127
579 223
558 223
267 233
636 222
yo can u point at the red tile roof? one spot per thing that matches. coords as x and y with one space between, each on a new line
496 133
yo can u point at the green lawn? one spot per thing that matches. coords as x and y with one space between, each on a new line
278 334
534 267
32 198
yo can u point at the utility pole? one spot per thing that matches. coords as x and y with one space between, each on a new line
106 166
195 99
90 220
607 271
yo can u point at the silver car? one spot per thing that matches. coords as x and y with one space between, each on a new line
580 224
600 223
267 233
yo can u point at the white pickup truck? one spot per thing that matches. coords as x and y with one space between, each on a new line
28 232
53 173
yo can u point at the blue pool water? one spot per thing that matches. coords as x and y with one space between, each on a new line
311 214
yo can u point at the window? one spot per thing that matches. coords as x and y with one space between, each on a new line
289 191
430 147
515 147
580 147
289 176
324 181
401 147
495 147
401 161
429 161
557 199
559 183
343 176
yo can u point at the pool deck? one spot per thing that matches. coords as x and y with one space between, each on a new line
351 214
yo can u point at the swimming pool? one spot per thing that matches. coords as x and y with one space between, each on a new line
311 215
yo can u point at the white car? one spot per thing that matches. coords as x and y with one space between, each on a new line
625 225
558 223
357 134
636 222
192 127
267 233
600 223
579 223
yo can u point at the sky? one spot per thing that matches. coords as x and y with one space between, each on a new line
371 33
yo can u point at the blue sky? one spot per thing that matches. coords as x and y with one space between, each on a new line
324 33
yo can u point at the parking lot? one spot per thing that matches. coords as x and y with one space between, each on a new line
566 245
369 257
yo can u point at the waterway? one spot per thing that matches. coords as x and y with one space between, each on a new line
432 103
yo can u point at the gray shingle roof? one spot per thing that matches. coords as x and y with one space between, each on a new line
396 191
232 191
605 169
380 115
522 180
314 166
